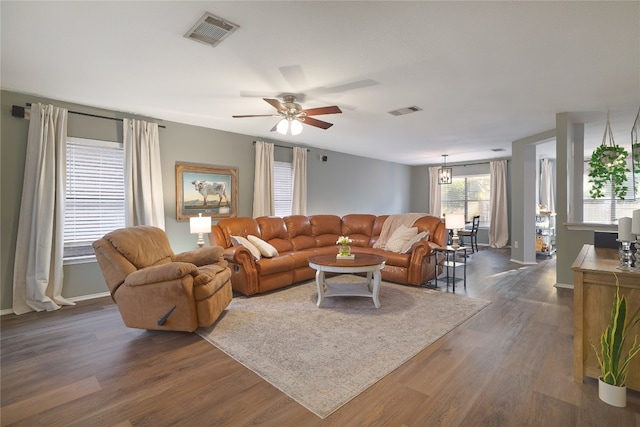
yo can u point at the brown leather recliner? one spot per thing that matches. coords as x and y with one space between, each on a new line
157 289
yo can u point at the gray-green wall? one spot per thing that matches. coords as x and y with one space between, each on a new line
341 185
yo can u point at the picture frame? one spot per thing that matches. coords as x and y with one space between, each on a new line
207 190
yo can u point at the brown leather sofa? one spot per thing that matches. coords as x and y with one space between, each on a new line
297 237
157 289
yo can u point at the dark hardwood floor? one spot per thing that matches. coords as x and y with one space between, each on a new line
510 365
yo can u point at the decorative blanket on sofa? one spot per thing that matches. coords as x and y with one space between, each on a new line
392 222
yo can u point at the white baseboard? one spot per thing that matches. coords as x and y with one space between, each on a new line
563 286
74 299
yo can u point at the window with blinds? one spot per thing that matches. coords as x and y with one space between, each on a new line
468 196
282 188
94 201
607 210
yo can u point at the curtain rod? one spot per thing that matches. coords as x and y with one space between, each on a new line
488 162
281 146
17 111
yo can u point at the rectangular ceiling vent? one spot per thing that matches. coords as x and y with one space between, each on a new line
211 30
497 150
403 111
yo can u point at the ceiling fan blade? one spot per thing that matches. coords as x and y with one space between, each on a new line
315 122
322 110
275 104
255 115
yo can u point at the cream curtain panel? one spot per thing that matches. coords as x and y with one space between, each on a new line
499 221
37 270
299 202
435 205
144 200
547 196
263 180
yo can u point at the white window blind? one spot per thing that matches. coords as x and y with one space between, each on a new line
94 202
468 196
607 210
282 188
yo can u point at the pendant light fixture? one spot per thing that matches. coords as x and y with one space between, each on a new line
445 174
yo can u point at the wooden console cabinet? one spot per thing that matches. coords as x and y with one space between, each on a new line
594 287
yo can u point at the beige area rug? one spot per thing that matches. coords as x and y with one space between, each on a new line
324 357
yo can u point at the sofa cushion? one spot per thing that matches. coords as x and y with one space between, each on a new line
279 264
237 226
399 238
241 241
265 248
358 228
299 229
274 231
326 229
423 235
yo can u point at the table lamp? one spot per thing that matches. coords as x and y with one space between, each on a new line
455 223
199 225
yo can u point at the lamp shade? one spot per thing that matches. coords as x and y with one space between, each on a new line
200 224
454 222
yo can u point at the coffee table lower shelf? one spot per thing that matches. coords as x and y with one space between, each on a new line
369 264
361 289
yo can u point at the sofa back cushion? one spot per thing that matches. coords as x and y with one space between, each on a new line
274 231
326 229
358 227
299 229
241 226
377 229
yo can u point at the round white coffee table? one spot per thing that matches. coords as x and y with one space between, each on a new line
362 263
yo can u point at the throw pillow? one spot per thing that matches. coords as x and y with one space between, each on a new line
265 248
241 241
409 245
399 238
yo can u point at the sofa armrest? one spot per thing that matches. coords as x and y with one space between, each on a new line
161 273
202 256
244 272
420 253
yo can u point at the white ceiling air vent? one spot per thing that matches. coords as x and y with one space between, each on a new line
403 111
497 150
211 30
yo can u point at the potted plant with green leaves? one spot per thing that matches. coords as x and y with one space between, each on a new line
608 166
614 363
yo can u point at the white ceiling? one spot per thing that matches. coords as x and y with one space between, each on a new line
484 73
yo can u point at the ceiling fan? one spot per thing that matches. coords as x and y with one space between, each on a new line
293 115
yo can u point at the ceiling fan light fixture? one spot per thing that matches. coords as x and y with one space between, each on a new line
296 127
283 126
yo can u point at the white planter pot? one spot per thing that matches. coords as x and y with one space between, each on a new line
612 394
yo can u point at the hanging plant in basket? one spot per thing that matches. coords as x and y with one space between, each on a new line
608 166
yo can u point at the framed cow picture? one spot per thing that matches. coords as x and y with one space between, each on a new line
207 190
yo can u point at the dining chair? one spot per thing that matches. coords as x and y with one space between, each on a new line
472 234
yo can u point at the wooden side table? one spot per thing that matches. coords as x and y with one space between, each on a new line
452 261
